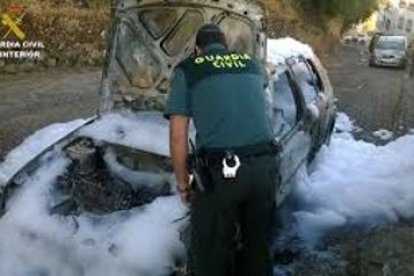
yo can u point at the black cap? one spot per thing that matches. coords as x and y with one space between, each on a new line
209 34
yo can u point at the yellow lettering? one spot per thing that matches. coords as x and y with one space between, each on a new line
229 64
235 57
217 64
199 60
245 56
210 58
219 58
241 64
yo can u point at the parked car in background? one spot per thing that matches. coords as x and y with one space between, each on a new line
363 39
354 37
389 51
347 39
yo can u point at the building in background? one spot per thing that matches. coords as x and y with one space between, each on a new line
397 18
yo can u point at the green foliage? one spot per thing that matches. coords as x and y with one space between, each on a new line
350 11
95 3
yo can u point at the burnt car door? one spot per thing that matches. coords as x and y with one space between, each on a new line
326 95
311 89
289 126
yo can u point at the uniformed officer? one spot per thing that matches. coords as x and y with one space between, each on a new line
223 92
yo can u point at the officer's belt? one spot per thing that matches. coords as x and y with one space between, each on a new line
255 150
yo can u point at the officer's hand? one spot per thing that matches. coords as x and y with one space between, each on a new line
186 195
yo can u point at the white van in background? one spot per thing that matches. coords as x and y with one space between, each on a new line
389 51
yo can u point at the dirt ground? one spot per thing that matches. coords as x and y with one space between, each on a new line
30 101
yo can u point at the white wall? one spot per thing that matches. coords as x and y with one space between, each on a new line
396 20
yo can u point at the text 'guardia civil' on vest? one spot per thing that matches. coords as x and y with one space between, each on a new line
224 61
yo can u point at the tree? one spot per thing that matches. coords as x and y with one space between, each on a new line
350 11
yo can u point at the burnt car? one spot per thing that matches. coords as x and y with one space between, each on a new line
120 158
302 107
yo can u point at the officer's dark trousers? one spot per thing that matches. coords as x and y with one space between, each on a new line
247 201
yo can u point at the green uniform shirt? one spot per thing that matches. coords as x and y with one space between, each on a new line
224 93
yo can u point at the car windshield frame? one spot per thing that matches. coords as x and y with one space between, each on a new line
390 45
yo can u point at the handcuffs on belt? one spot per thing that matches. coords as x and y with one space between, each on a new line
231 164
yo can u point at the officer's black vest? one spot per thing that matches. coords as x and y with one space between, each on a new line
199 68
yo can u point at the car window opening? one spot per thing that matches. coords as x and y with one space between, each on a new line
390 45
284 106
177 39
158 21
239 34
318 79
140 65
306 81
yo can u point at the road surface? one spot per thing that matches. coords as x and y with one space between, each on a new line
376 98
